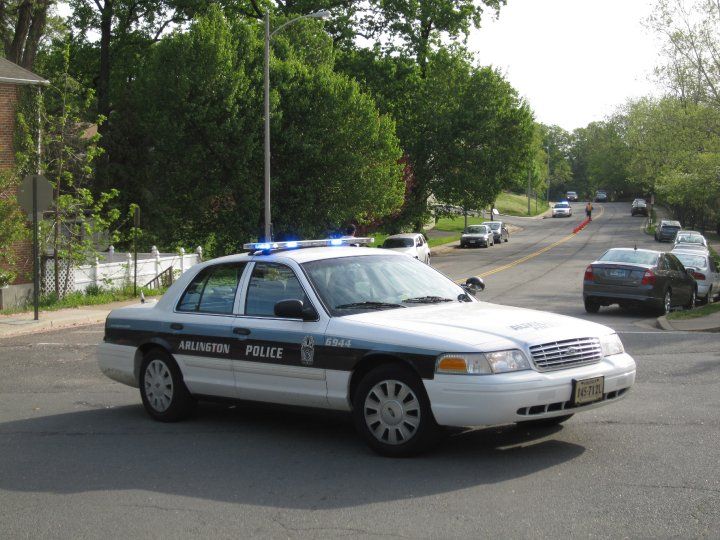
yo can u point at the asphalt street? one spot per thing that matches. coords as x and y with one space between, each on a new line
79 458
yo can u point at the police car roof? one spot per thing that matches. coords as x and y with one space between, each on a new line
302 255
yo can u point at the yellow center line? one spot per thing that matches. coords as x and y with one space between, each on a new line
532 255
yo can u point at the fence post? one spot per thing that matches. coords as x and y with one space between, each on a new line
96 272
199 251
111 251
182 261
157 260
128 269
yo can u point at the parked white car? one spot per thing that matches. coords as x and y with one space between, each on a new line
703 268
413 244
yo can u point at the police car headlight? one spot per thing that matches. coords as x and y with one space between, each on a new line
505 361
611 345
463 364
482 364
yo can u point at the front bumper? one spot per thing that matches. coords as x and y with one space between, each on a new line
465 400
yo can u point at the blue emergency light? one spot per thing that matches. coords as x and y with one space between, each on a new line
267 247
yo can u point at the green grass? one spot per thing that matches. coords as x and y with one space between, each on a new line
694 313
94 297
516 205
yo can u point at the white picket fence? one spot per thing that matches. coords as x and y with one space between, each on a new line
114 270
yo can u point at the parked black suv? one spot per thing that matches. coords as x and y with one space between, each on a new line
667 230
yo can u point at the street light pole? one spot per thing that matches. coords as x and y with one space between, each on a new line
548 178
266 77
323 14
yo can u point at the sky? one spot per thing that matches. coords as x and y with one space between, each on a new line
574 61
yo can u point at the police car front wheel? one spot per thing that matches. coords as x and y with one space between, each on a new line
392 412
163 392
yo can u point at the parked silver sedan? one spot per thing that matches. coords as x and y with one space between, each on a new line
703 268
690 240
477 235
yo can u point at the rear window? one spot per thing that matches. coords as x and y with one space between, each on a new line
630 256
695 261
398 243
690 239
493 226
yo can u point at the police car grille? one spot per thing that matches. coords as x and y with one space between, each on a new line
567 353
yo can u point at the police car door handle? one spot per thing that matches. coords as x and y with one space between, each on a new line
241 331
176 326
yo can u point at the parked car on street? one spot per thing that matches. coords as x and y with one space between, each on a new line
633 277
703 268
690 240
374 333
639 208
562 209
477 235
666 231
571 196
413 244
601 196
499 230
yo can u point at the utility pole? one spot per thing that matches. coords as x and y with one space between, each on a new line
528 191
548 175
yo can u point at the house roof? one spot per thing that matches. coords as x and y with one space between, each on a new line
13 74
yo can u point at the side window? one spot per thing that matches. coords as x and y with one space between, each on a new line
213 290
674 263
713 267
220 288
191 298
418 241
269 284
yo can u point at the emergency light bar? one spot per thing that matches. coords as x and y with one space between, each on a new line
295 244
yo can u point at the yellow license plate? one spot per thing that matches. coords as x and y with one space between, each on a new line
588 390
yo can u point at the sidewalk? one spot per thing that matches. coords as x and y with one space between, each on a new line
22 323
709 323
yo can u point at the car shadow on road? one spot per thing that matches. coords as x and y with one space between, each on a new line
259 455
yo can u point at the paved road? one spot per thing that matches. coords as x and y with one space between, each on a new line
552 280
80 459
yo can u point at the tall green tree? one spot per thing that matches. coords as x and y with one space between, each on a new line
197 111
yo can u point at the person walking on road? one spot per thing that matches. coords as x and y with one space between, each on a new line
588 210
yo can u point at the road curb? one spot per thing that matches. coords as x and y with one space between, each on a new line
664 324
686 325
32 327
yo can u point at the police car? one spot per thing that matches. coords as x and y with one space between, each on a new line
323 324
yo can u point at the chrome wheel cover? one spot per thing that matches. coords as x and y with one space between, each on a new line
158 385
392 412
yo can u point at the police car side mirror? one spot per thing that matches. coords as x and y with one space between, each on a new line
294 309
474 285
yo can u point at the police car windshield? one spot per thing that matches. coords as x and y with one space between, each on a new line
347 285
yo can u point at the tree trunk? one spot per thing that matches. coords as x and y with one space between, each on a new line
22 26
35 34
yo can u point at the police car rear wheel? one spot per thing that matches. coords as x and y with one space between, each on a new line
392 412
163 392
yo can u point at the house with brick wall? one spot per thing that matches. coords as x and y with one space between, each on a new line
12 79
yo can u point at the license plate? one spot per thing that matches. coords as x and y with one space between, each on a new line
588 390
473 241
617 273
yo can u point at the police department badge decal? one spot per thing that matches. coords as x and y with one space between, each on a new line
307 351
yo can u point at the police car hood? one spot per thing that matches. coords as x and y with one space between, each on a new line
472 325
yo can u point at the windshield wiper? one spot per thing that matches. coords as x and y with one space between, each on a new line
369 305
427 300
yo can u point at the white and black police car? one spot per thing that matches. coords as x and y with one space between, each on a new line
324 324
